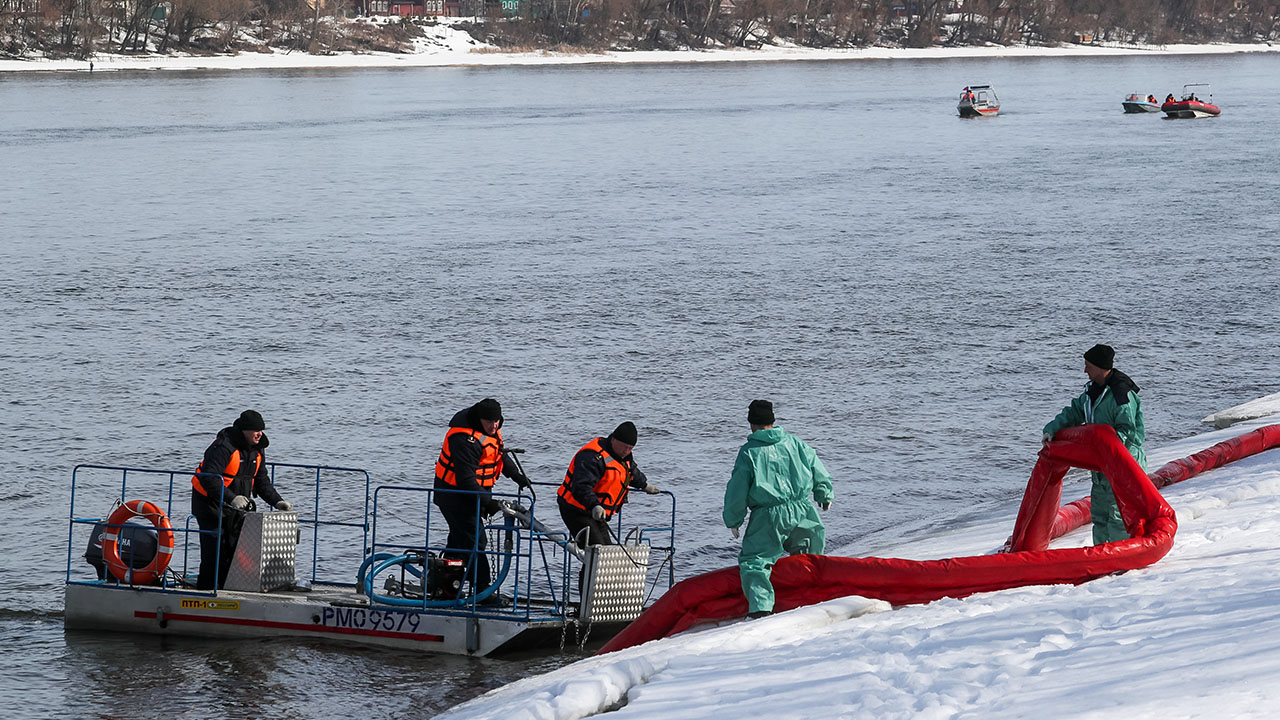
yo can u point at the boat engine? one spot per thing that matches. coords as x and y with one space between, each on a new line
137 547
444 577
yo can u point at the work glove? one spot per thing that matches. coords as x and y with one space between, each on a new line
284 506
825 506
734 530
522 480
492 507
239 502
1046 438
598 513
652 489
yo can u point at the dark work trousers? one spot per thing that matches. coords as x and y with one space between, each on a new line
207 517
461 512
576 520
597 532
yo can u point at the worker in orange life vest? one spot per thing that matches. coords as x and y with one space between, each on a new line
233 468
596 484
470 461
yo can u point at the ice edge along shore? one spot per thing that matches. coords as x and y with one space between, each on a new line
453 48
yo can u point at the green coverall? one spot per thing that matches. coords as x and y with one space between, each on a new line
1127 421
774 476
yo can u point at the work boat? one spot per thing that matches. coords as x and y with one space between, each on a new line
1138 103
376 574
1192 105
978 101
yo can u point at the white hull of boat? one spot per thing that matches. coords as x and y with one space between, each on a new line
1188 114
334 613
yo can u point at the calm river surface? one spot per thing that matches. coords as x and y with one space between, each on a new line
360 254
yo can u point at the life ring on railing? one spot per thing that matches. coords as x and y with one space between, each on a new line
111 543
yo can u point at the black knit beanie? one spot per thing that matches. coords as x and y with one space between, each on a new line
249 420
1100 356
488 409
625 433
760 412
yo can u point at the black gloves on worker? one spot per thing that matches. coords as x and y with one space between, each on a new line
492 507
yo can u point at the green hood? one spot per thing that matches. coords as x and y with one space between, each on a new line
767 436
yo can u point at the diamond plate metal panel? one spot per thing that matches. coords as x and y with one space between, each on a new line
264 558
613 589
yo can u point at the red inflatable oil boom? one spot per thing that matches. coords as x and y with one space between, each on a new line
1076 514
807 579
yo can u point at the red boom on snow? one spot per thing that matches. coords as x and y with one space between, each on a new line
807 579
1076 514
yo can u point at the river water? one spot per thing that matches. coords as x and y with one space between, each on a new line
360 254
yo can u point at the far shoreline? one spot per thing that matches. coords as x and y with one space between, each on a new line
489 58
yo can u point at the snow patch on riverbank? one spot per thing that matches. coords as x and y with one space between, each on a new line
444 46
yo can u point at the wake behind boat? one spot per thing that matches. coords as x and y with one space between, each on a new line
1191 105
378 575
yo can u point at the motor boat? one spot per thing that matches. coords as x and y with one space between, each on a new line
1191 106
1138 103
978 101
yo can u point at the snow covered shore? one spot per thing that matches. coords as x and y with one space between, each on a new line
1197 635
445 46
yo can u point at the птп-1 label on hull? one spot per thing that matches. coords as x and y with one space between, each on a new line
198 604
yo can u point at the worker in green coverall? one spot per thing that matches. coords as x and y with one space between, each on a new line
1110 398
774 476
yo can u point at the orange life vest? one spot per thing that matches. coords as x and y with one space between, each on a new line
228 473
490 464
610 489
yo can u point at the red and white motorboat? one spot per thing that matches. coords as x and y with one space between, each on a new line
978 101
1191 106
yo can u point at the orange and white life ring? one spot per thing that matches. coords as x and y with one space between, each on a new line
111 543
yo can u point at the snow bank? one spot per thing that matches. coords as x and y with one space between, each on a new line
648 672
1248 411
1196 635
446 46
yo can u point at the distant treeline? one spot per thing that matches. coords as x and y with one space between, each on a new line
675 24
83 28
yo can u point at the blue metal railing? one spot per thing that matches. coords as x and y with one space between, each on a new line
315 521
518 554
182 477
549 582
546 575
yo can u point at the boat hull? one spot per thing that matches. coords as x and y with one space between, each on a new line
1140 107
972 112
334 613
1190 109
